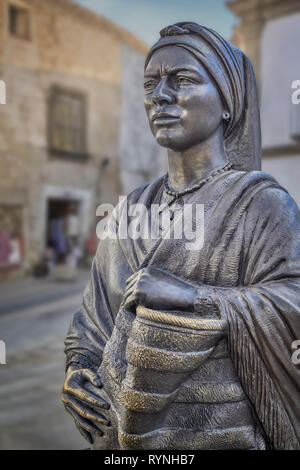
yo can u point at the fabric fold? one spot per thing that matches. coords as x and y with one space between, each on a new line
249 267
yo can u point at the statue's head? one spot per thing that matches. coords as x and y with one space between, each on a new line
197 85
183 103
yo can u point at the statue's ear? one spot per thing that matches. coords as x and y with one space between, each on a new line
243 145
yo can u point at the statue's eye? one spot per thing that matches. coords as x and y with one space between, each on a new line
182 80
150 85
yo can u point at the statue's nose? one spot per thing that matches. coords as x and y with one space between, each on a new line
162 94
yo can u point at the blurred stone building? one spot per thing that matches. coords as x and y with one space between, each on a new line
73 131
269 32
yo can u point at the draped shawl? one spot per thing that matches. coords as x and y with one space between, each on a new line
250 263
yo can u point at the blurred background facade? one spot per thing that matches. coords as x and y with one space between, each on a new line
73 133
268 31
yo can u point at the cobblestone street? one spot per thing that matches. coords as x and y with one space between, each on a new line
34 318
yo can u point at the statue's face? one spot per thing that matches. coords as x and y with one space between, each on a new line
182 102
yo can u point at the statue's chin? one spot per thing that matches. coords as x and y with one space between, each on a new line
163 142
175 138
171 144
168 139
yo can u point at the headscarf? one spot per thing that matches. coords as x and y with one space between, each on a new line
233 74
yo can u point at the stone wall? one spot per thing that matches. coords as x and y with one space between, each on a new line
279 68
74 49
65 36
268 31
26 162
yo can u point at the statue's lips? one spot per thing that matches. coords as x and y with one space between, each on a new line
163 119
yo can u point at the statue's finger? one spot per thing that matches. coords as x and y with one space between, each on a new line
92 377
87 435
88 395
131 277
87 412
83 422
131 284
127 294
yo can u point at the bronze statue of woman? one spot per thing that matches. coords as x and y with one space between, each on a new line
180 348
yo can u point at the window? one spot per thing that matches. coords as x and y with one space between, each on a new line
19 22
67 123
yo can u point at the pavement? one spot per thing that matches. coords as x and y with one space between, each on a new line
34 319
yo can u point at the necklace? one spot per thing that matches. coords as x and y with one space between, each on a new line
177 194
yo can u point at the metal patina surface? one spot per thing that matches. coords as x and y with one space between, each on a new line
191 347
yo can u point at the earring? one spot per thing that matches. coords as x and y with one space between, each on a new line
226 116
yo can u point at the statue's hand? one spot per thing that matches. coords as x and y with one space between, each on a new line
159 290
83 401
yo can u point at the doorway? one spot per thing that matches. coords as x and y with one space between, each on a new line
62 228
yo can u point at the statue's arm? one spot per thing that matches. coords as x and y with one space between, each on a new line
271 233
89 331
